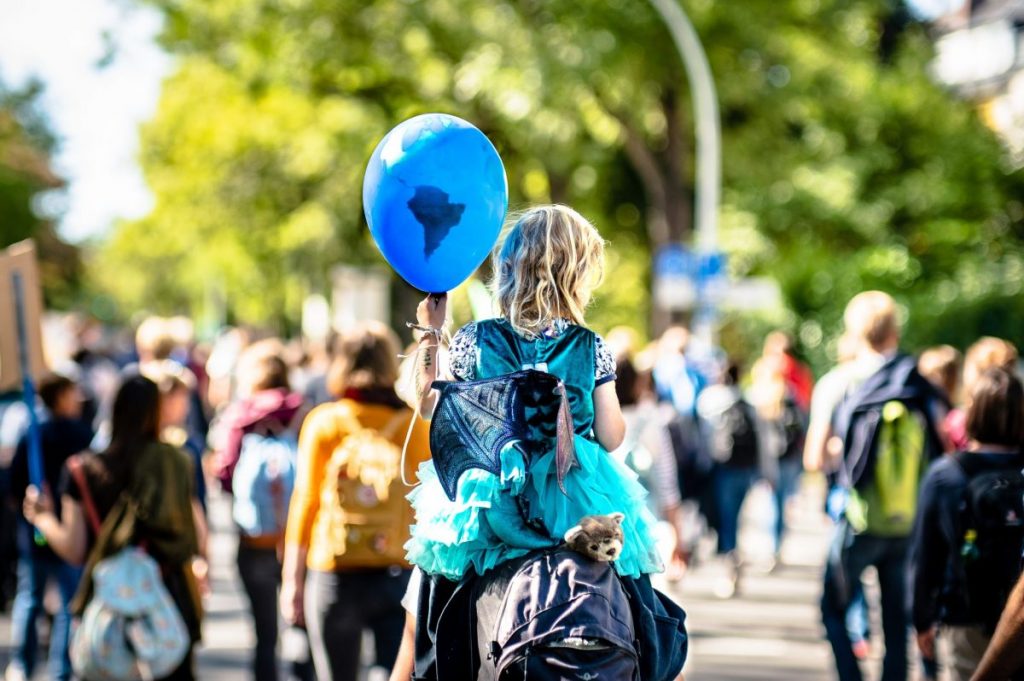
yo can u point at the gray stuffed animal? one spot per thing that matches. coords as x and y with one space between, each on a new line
598 537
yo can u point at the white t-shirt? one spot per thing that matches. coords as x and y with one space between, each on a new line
411 599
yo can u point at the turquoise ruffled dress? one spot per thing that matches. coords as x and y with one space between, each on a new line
495 518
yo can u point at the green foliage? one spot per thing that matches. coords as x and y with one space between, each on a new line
845 166
25 177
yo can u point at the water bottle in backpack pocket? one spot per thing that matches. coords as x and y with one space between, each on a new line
262 483
131 629
992 532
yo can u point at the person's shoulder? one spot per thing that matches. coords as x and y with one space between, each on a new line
175 453
467 333
836 378
470 328
582 329
945 475
81 432
325 416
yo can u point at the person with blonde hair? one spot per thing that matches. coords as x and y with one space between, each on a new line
941 365
544 276
545 273
878 407
985 353
782 428
155 339
344 566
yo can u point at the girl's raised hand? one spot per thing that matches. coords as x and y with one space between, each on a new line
37 502
432 311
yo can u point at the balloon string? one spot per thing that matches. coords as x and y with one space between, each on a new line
439 334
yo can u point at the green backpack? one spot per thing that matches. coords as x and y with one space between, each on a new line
886 506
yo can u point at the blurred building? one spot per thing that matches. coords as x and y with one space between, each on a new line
980 53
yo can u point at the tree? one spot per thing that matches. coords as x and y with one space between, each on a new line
26 177
839 171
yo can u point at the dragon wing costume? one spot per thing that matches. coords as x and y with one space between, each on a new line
475 420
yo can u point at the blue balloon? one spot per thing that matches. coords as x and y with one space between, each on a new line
435 197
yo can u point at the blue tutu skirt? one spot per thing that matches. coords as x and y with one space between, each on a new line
484 526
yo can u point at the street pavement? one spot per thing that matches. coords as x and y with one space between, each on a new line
769 631
771 628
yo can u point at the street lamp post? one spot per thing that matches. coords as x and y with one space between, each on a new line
709 140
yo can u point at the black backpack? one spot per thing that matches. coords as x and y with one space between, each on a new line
794 429
734 436
992 535
693 462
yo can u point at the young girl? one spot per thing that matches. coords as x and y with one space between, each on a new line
545 273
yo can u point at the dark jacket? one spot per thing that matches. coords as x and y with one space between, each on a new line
59 438
858 418
937 538
151 508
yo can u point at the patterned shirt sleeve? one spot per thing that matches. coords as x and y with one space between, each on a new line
604 363
462 353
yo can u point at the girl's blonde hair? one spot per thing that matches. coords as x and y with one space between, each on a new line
548 267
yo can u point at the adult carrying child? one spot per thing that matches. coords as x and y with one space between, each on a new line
554 466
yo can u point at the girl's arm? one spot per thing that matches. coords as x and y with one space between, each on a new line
1005 654
609 426
403 667
67 535
431 313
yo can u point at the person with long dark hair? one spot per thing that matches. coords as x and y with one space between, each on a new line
156 478
967 537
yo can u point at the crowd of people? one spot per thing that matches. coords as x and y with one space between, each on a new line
314 447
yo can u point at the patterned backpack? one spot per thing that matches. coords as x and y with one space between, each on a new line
131 629
363 496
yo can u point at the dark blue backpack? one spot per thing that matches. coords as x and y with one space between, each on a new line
517 622
562 618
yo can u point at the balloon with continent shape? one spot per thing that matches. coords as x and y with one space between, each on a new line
436 214
435 197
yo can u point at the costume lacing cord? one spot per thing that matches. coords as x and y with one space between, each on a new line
440 335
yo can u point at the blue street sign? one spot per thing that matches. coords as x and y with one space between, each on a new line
675 260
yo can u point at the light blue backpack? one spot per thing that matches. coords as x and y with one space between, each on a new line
131 629
262 483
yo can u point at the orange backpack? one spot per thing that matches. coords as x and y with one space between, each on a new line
363 496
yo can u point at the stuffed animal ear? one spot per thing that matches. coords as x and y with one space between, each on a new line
572 533
617 517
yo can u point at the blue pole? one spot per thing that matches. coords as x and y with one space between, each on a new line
35 454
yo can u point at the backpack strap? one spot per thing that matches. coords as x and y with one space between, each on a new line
78 473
